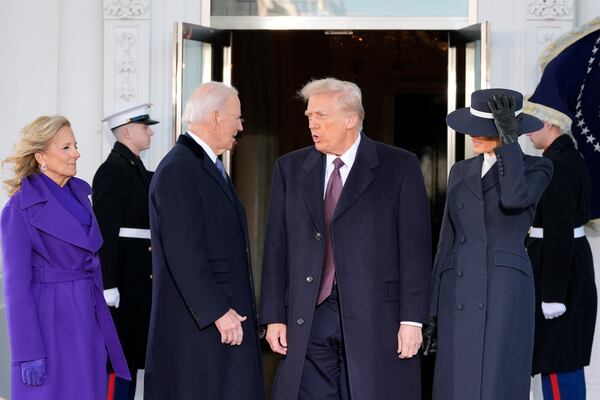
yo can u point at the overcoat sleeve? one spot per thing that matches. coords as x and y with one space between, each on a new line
21 308
445 243
182 235
520 189
559 204
414 228
274 272
110 193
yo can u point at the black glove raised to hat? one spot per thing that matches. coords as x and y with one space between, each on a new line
503 109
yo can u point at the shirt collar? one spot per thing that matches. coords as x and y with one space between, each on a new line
489 159
204 146
349 156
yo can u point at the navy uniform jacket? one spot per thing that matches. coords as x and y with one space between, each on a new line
563 266
201 267
483 291
382 248
120 199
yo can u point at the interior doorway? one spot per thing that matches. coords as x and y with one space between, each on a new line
404 79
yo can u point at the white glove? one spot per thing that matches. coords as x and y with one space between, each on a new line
553 310
112 297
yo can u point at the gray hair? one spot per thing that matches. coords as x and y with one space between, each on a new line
350 96
207 98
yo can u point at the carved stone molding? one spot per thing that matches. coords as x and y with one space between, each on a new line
126 65
550 9
126 9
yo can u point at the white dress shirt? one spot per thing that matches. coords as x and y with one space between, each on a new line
206 147
348 158
488 163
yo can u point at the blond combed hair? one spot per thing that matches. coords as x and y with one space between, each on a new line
35 138
350 96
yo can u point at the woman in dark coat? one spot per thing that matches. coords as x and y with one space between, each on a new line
59 326
483 291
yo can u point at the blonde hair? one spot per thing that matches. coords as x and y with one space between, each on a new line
34 138
350 96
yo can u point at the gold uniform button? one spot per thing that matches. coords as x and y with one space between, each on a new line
150 276
149 248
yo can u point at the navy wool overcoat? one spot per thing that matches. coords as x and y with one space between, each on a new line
483 289
201 268
382 249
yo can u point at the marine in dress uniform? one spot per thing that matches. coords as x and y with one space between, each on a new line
566 299
120 198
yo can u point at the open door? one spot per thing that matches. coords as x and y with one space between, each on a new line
468 70
202 54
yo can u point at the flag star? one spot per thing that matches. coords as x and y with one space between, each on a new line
589 69
580 123
598 40
590 139
585 130
597 147
595 49
591 60
578 105
578 114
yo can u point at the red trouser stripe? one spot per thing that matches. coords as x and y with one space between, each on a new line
555 389
111 386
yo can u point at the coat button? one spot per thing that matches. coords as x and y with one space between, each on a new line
480 305
480 203
318 235
460 206
309 279
459 273
482 271
462 239
149 248
300 321
150 276
482 237
459 307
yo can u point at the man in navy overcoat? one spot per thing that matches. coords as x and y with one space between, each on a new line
345 286
203 342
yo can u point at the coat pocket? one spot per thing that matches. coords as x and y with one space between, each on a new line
448 263
391 291
503 258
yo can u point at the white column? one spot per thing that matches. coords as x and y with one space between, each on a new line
79 79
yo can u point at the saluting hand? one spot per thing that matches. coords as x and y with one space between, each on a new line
503 109
230 327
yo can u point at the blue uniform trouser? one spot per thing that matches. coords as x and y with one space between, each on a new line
564 385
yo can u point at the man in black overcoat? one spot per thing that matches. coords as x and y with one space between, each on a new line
203 342
347 259
120 199
566 298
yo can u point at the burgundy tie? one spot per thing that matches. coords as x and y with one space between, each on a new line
332 194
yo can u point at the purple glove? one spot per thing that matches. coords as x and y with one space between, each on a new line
32 372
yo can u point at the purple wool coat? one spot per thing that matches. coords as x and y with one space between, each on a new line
53 292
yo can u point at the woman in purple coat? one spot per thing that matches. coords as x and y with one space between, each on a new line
59 326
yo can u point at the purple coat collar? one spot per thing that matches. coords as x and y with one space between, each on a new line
51 217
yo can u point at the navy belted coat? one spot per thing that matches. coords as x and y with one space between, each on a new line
483 290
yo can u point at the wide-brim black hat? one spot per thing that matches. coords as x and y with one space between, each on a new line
478 120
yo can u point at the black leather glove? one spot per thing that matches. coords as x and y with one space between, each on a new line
503 108
429 345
